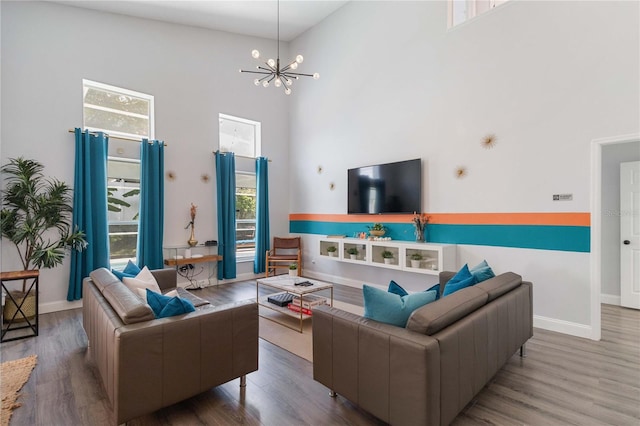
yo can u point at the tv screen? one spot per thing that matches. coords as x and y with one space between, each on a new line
385 188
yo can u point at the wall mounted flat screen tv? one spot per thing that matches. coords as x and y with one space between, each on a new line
385 188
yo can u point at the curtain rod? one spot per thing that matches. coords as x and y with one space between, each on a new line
124 138
243 156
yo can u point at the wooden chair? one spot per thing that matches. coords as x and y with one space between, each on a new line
283 253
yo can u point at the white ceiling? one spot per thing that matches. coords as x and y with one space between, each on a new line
255 18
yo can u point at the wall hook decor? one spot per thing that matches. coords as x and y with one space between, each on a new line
489 141
171 175
461 172
205 178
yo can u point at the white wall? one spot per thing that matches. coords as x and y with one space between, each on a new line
47 49
612 156
546 78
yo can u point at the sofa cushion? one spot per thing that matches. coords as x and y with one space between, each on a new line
503 283
435 316
462 279
129 307
176 306
144 280
390 308
158 301
482 271
131 270
103 278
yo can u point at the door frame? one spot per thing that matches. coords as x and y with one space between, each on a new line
596 229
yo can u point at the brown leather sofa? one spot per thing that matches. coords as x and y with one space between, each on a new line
147 363
426 373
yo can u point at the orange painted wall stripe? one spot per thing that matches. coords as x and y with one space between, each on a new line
557 219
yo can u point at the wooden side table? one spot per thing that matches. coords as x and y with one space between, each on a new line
19 318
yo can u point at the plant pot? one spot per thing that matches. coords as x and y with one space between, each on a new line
353 256
415 263
293 272
388 261
376 233
28 307
331 253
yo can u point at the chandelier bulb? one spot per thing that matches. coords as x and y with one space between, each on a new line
271 63
277 82
294 66
256 82
255 54
299 59
288 82
265 83
316 76
287 91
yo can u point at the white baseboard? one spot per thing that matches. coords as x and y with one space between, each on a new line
610 299
63 305
565 327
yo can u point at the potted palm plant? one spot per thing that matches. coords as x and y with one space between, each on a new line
36 218
331 250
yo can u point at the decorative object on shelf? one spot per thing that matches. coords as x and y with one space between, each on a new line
353 253
273 73
420 221
36 218
331 251
293 270
387 256
489 141
416 258
192 239
377 230
171 176
187 253
461 172
205 178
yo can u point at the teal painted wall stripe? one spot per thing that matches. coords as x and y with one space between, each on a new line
543 237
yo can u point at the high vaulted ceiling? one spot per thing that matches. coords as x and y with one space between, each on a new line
255 18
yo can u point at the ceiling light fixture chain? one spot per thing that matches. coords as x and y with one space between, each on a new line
272 71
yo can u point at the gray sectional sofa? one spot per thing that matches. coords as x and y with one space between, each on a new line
426 373
145 363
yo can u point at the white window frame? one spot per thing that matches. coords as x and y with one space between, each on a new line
106 87
472 10
257 128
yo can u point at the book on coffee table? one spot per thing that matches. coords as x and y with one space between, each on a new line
280 299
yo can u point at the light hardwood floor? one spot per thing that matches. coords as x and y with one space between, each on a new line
563 381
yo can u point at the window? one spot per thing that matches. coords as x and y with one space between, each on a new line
245 214
116 111
242 137
120 113
123 203
463 10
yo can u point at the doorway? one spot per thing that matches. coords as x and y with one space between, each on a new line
607 154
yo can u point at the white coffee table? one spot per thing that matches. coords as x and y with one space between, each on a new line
287 283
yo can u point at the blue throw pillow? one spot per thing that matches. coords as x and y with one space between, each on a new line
435 288
157 301
176 306
130 271
459 281
395 288
482 271
390 308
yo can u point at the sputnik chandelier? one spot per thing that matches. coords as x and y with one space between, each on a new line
273 73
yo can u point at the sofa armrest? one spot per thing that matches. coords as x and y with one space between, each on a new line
167 279
389 371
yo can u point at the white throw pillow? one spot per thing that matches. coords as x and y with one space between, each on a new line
144 280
